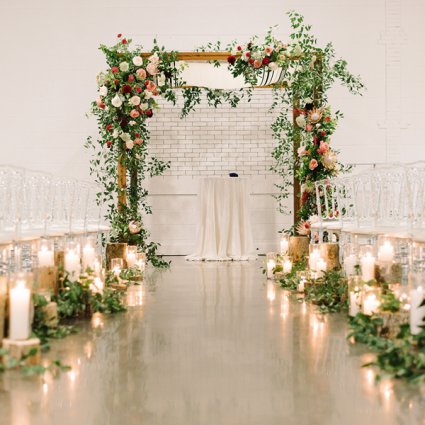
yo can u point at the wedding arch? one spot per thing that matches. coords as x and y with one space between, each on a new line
298 72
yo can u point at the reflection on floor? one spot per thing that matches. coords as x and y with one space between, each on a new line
210 344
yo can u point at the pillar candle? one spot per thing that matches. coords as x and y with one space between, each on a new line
287 266
370 304
270 266
321 266
354 308
89 257
312 261
20 298
350 264
301 285
131 259
72 263
417 313
45 257
386 253
367 264
284 246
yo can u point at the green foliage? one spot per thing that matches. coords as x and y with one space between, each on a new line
401 357
329 292
76 299
389 302
291 280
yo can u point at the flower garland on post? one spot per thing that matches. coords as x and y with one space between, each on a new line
127 93
306 72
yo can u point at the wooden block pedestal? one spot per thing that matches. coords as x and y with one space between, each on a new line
17 349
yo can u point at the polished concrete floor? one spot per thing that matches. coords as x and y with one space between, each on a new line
210 344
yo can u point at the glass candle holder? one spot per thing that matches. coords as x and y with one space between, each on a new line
284 245
351 259
314 256
271 264
88 253
20 286
131 255
355 286
367 262
417 296
371 299
117 264
72 259
45 253
141 261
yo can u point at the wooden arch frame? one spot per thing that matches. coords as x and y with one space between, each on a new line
222 57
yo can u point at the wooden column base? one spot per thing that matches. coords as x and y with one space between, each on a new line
298 247
116 250
17 349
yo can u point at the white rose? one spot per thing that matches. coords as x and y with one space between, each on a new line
103 91
124 66
148 94
115 134
273 66
154 58
296 51
135 100
116 101
125 137
129 144
132 123
138 61
300 120
144 106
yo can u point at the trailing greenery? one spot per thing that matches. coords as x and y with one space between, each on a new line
401 357
77 299
44 330
329 292
291 280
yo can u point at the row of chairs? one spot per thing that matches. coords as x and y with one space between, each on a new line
388 199
35 204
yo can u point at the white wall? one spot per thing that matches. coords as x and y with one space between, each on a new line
50 58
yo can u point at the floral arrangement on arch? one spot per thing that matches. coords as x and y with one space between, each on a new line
127 98
316 159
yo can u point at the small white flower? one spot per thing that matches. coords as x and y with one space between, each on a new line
135 100
124 66
103 91
129 144
297 50
148 94
132 123
116 101
308 100
154 58
115 134
143 106
300 120
256 56
138 61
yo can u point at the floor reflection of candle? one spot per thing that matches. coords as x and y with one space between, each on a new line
271 292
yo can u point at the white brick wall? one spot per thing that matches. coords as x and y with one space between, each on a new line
215 141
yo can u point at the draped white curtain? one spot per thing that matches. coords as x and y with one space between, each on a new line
225 226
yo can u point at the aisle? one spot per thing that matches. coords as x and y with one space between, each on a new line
211 344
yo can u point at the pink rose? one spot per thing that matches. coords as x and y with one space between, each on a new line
138 141
268 50
134 113
141 74
313 164
100 103
323 148
308 127
134 227
152 68
150 85
257 64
